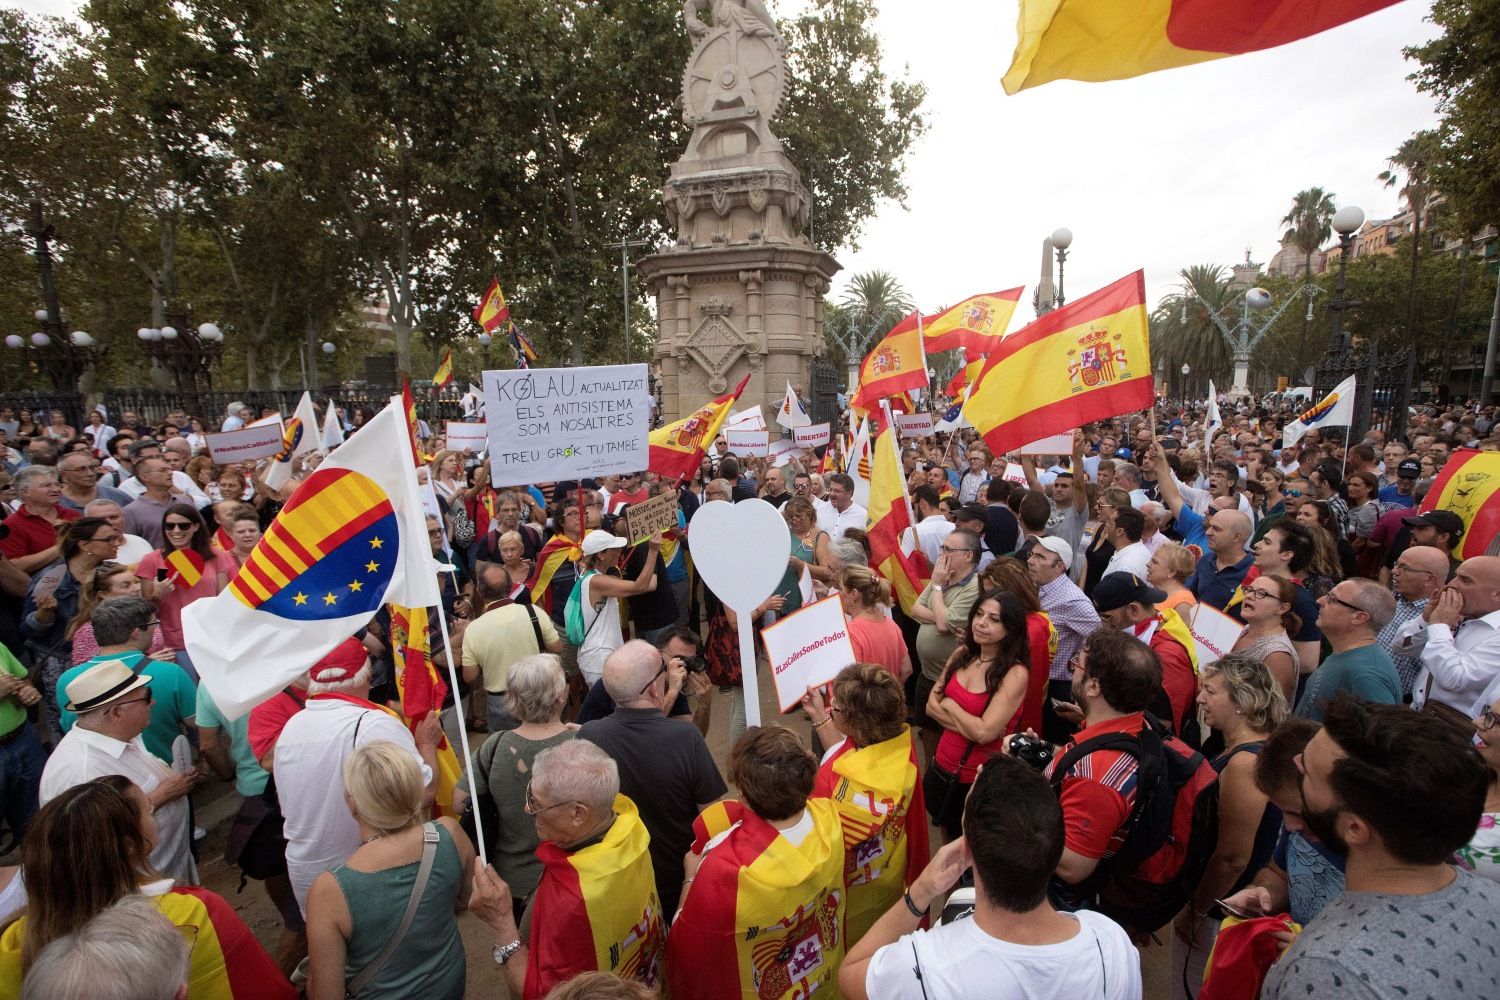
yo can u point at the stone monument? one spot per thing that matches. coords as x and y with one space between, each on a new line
741 288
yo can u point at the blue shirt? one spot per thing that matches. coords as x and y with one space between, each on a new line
1214 586
1190 527
1314 874
1392 496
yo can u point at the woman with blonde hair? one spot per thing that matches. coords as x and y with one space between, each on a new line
383 924
1170 566
202 471
447 474
1239 698
513 557
875 637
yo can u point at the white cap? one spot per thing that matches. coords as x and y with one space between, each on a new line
1059 548
597 541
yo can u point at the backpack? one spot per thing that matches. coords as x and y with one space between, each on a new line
1171 831
573 622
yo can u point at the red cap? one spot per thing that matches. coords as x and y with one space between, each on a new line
342 662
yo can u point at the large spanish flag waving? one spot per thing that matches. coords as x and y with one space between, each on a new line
763 918
1095 40
977 323
897 363
601 909
893 551
1086 361
1469 486
677 448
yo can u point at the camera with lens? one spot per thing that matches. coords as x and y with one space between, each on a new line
695 664
1037 753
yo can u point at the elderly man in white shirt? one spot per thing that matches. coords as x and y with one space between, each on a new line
309 761
1457 638
113 704
840 513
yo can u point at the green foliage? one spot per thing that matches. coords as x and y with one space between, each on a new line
873 302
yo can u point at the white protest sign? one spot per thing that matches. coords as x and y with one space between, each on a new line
748 442
254 441
741 551
549 424
274 418
746 420
914 425
467 437
807 648
1014 474
813 436
1057 444
1214 633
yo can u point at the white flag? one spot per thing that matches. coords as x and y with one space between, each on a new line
1334 410
1213 423
299 435
349 540
333 428
791 413
858 468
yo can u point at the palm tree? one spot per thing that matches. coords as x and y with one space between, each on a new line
1309 225
1181 330
1410 168
873 302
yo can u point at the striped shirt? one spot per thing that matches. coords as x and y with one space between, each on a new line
1073 616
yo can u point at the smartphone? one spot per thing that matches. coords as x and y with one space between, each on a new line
161 574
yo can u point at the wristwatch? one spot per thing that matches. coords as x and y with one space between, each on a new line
504 952
937 588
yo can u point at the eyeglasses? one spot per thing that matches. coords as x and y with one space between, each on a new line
533 808
1339 600
109 539
179 526
1403 568
953 551
136 701
1257 592
655 676
1488 719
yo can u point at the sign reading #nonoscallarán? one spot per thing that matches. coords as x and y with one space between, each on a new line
254 441
549 424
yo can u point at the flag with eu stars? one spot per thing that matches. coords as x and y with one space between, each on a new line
351 538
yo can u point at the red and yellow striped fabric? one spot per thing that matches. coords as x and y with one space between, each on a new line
676 449
878 793
558 550
764 918
187 565
599 909
1469 486
898 363
893 552
421 691
977 323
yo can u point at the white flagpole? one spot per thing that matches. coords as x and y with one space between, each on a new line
463 733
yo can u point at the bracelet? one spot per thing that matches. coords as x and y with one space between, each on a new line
820 725
906 898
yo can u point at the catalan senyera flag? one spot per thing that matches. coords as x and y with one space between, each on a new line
1096 40
1469 486
977 323
893 551
422 691
299 436
558 550
859 468
603 912
1086 361
677 448
898 363
492 313
763 918
878 793
444 374
350 539
187 565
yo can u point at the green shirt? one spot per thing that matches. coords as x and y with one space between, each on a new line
176 698
12 712
249 777
1367 672
934 647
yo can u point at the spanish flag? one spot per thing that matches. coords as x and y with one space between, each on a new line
1469 486
966 377
878 793
893 551
601 909
187 565
444 374
763 918
977 323
421 691
492 313
897 363
1095 40
677 448
558 550
1089 360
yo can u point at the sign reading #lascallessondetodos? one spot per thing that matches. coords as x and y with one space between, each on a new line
549 424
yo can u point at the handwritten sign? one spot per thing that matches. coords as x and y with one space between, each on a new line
467 437
254 441
650 517
1214 633
813 436
748 442
914 425
1057 444
807 648
549 424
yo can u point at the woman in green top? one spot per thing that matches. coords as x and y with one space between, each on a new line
355 909
809 551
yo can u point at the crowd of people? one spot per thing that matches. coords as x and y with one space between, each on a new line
1316 806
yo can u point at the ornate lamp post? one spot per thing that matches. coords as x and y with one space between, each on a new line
1339 361
485 340
1245 335
1185 371
62 356
1062 238
191 355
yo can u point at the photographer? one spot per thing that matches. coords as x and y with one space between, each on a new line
686 677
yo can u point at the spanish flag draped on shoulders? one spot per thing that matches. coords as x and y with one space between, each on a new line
763 918
877 791
596 909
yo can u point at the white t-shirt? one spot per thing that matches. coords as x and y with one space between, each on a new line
959 960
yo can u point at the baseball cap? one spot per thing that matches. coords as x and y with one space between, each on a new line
1442 520
341 662
1410 468
1059 548
1119 589
597 541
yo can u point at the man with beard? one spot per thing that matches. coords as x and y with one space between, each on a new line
1397 792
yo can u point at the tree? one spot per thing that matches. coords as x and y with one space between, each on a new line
1182 331
873 302
1309 225
1410 169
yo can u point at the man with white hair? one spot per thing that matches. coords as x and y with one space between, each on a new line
234 416
130 951
665 765
1156 516
309 761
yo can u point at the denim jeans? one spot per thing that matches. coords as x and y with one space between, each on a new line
21 763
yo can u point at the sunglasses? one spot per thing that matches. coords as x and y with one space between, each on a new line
179 526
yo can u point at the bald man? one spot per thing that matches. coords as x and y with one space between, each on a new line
1457 639
1224 565
1420 572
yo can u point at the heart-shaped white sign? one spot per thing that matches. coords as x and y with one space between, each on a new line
740 550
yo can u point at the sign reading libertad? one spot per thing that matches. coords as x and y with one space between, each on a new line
548 424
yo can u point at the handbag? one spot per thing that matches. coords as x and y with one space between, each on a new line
463 525
945 784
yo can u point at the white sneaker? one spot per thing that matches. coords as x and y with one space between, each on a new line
199 833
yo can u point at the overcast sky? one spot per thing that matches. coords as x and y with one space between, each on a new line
1181 167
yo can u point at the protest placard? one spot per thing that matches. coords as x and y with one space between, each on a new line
549 424
1214 633
274 418
1057 444
467 437
745 442
650 517
914 425
813 436
255 441
1014 474
806 648
746 420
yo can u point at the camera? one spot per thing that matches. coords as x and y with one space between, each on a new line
1037 753
695 664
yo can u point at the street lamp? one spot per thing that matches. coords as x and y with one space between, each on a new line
190 353
328 347
485 340
1244 335
1346 222
1185 370
63 358
1062 238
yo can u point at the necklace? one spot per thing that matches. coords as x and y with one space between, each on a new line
371 840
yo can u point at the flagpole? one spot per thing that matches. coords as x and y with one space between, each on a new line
463 734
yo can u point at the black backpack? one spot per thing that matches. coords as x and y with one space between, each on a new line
1171 831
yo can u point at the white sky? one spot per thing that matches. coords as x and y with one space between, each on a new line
1181 167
